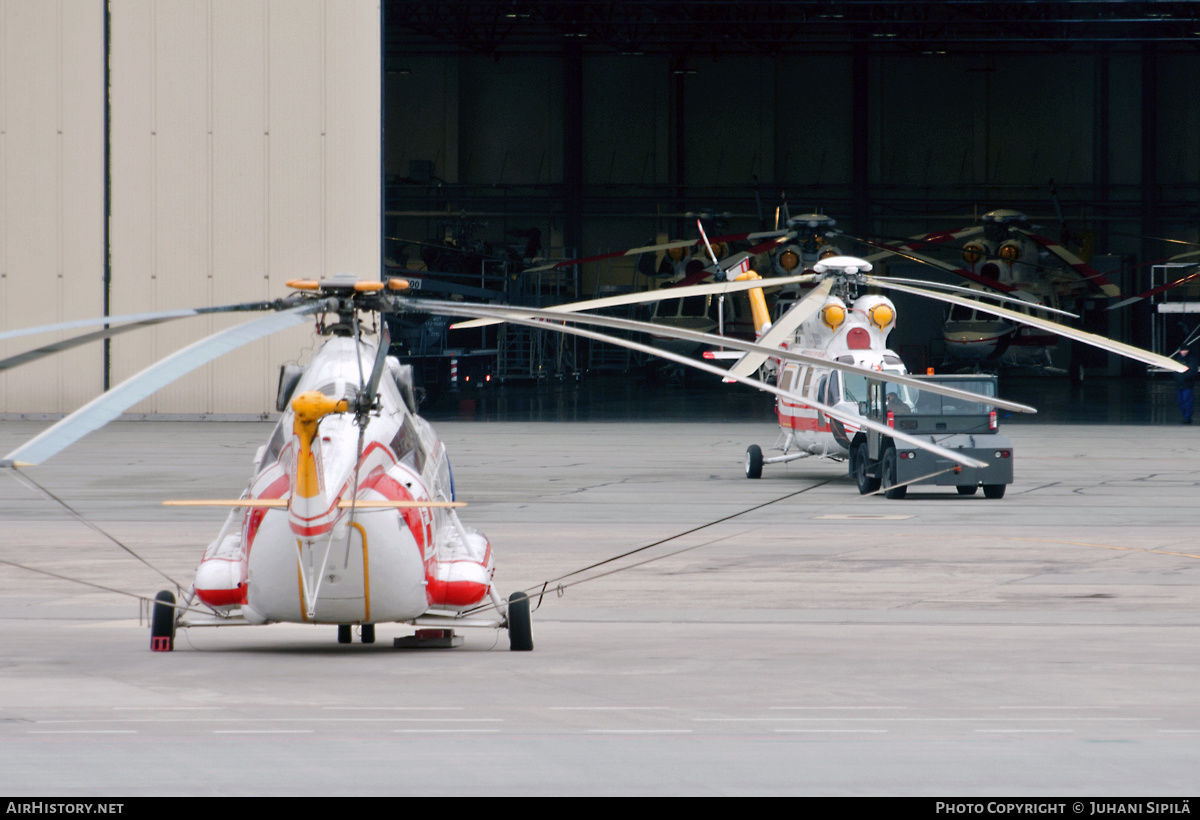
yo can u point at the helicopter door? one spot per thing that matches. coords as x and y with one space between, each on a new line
822 419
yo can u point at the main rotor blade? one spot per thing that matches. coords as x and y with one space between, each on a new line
645 297
972 292
913 256
1191 277
953 455
553 320
75 341
1120 348
147 318
107 406
783 329
385 341
1085 271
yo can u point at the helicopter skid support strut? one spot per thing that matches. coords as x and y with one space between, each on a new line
787 457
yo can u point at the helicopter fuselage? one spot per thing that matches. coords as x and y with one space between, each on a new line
323 558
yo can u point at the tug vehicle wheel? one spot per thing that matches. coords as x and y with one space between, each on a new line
162 622
754 461
966 489
994 490
858 463
520 624
888 468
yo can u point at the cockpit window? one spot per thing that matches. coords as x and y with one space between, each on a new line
407 446
854 387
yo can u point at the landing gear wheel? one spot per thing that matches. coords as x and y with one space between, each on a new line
162 622
368 633
994 490
520 624
888 470
858 468
966 489
345 633
754 461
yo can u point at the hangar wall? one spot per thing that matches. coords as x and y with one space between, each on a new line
244 151
51 192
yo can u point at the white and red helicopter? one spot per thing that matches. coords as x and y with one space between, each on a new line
836 323
349 517
825 345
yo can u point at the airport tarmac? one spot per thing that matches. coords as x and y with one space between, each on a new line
800 640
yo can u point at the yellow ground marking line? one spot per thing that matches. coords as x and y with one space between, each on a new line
1109 547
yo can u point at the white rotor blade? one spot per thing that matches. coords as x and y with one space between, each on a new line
953 455
655 296
921 283
935 238
156 316
1120 348
552 322
107 406
783 329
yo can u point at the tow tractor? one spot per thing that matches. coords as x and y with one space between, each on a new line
878 460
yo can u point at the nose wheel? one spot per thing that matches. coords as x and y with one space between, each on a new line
162 622
754 461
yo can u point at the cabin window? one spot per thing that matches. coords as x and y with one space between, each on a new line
808 372
821 389
786 380
694 306
834 391
667 307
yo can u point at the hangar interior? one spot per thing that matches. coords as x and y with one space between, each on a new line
604 127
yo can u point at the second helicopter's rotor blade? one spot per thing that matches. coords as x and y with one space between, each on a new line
552 321
659 295
971 292
1120 348
107 406
854 420
913 256
784 327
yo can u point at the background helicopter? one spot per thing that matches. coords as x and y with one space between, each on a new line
836 324
1005 255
